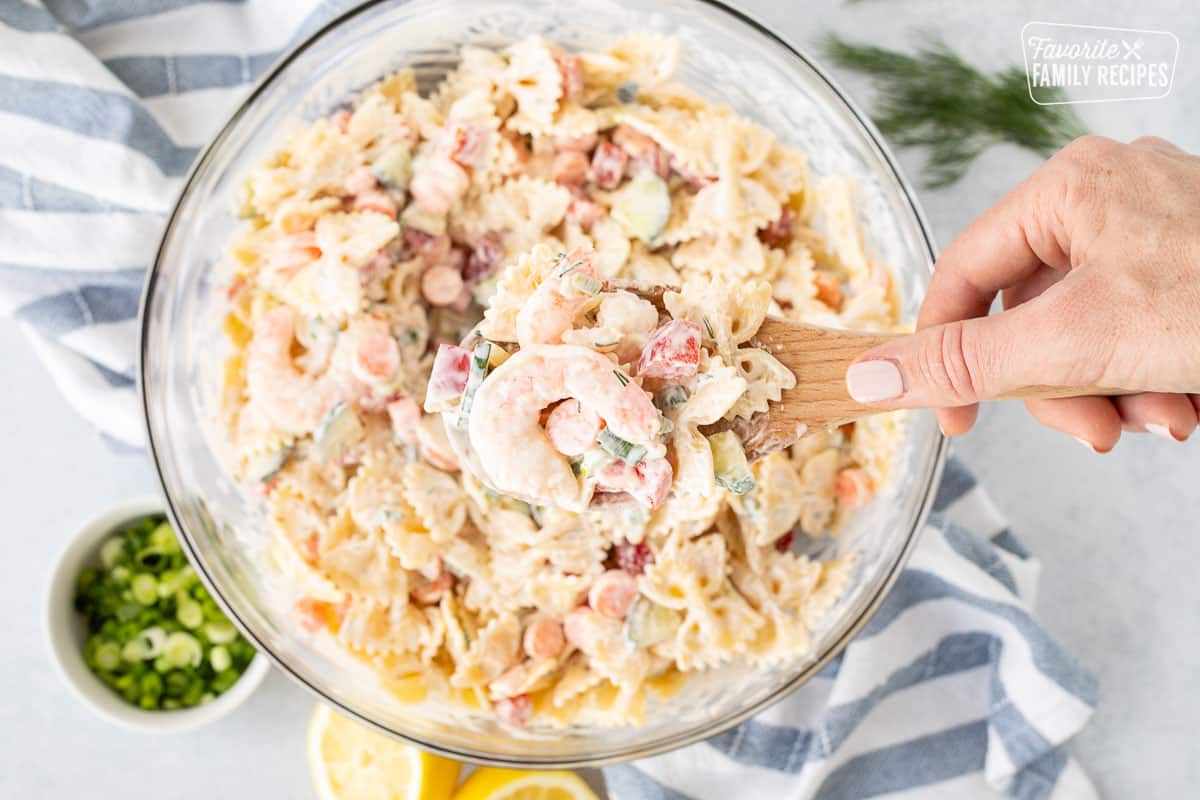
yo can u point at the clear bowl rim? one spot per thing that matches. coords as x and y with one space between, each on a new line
616 755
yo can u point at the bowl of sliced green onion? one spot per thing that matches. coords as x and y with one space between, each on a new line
133 631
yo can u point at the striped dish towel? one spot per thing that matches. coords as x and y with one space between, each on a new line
951 691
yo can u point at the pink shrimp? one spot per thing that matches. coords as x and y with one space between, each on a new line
439 185
441 285
613 593
551 310
648 482
515 456
853 487
293 401
376 355
292 253
510 683
571 428
584 213
543 638
466 144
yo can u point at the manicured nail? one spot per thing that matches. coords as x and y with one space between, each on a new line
1087 444
874 381
1163 431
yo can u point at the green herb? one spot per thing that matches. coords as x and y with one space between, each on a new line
156 637
935 99
621 377
628 452
708 328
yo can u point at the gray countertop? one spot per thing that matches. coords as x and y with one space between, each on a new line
1117 534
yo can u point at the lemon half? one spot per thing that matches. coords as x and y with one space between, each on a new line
349 761
513 784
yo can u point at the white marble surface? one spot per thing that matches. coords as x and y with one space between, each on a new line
1118 534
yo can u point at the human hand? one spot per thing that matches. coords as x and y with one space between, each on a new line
1096 257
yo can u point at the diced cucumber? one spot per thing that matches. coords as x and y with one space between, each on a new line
649 623
243 201
265 466
480 363
729 462
393 168
643 206
628 452
337 432
416 217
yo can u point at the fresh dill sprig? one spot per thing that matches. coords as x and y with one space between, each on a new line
936 100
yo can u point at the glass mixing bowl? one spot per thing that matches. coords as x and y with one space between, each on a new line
727 57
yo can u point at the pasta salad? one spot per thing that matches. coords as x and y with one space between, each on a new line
517 195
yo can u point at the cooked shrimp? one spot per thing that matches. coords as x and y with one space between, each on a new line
376 355
293 401
552 307
853 487
515 711
441 285
514 452
613 593
648 482
571 428
439 185
543 638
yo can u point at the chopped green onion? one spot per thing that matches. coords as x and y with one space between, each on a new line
220 659
144 588
183 650
708 328
190 615
107 656
665 427
729 463
151 558
585 284
626 451
111 552
478 371
622 377
221 632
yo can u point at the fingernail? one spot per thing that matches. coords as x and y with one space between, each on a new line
874 381
1163 431
1086 444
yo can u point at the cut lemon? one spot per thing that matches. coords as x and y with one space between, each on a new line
513 784
349 761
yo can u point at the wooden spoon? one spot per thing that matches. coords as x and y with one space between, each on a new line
819 358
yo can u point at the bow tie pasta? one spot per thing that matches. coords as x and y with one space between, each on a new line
517 197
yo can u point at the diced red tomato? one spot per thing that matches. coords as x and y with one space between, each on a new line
608 165
779 232
448 379
784 543
643 150
672 352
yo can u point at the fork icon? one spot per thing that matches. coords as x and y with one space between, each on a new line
1132 50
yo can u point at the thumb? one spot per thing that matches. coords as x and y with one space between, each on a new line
961 363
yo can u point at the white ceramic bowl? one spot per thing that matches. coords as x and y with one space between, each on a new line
66 632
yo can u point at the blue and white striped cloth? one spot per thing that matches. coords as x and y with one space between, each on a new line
952 690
